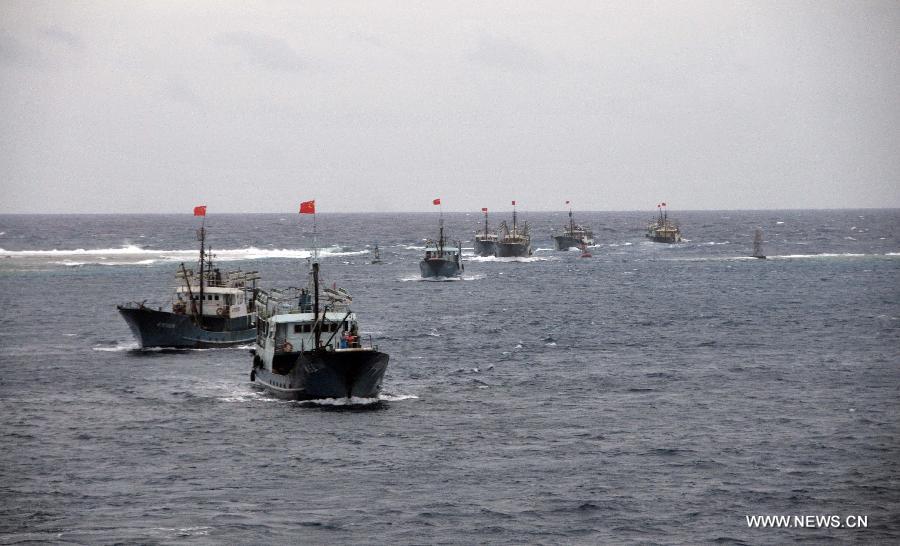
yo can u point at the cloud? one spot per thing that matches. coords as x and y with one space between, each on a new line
505 54
179 90
61 36
263 50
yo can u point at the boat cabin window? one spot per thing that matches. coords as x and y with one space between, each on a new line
302 328
217 297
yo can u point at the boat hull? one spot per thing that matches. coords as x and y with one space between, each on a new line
316 375
153 328
484 248
565 242
669 239
439 267
512 250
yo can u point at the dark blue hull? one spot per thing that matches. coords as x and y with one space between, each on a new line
153 328
512 250
349 373
439 267
484 248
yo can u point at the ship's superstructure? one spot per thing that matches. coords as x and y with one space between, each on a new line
757 245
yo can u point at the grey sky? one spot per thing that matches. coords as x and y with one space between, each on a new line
253 107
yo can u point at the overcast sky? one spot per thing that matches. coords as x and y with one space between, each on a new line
383 106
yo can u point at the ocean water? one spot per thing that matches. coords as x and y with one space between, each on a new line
650 394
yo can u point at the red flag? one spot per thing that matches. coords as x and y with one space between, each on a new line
567 202
514 203
663 204
436 201
308 207
483 209
200 211
658 205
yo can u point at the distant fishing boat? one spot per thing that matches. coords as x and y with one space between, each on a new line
307 349
757 245
440 259
661 230
513 242
485 241
212 308
376 255
573 235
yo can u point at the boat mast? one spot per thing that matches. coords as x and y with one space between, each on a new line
202 260
571 220
515 233
441 234
317 327
485 223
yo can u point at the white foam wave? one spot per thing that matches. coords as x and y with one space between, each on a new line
521 259
120 347
114 256
359 401
823 255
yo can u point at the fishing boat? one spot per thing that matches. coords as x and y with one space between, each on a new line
661 230
573 235
485 241
211 308
757 245
441 260
376 255
513 242
308 345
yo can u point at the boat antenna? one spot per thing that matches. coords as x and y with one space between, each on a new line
514 218
485 211
571 218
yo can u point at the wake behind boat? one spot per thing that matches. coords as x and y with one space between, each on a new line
211 308
307 349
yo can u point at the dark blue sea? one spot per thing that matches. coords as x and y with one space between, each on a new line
654 394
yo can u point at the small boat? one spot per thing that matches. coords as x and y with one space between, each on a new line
584 251
485 241
212 308
440 259
513 242
661 230
757 245
376 256
309 349
573 235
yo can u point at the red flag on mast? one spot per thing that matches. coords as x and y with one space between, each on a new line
200 210
514 202
308 207
567 202
483 209
663 204
436 201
